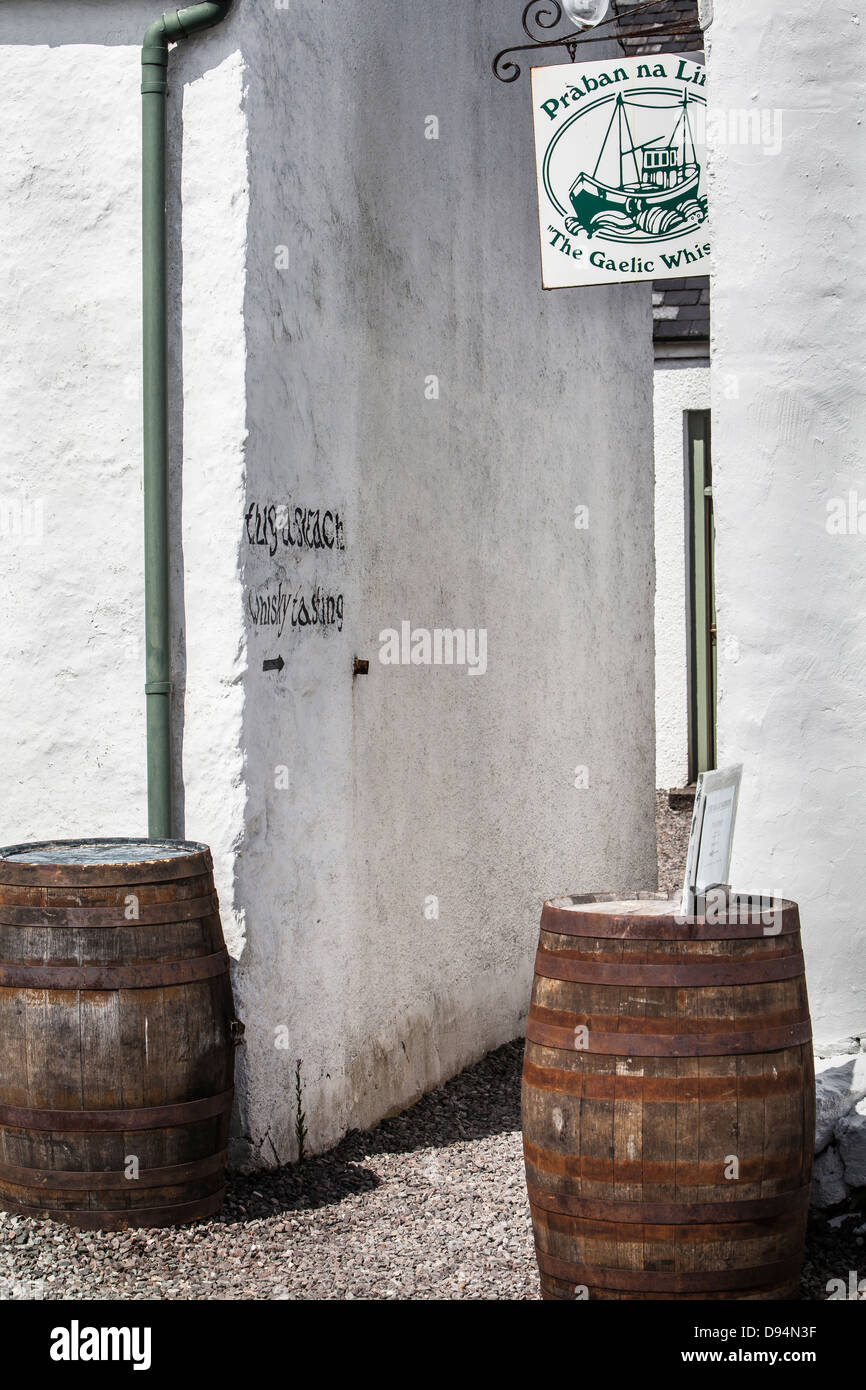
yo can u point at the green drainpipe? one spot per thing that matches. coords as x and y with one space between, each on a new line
154 70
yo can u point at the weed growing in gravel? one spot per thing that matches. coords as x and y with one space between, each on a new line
300 1117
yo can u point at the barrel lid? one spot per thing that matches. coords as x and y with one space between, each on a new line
98 861
643 904
655 917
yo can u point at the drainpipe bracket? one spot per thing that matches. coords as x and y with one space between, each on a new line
173 27
157 688
181 24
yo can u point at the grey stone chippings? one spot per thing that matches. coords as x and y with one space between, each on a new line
673 829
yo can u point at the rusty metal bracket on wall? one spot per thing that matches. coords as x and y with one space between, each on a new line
540 16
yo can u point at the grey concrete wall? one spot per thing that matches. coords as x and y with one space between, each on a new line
409 258
333 261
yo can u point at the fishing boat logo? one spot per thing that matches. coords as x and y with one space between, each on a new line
639 189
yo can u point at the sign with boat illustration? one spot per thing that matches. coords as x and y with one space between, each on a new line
620 147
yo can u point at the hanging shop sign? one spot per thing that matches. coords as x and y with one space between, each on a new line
620 151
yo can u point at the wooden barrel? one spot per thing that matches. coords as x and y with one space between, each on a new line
116 1033
668 1102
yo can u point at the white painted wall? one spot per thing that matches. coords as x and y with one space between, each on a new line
71 679
407 257
677 391
789 435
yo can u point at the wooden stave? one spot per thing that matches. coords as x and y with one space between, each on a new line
98 1219
568 1173
111 1203
88 896
133 943
187 910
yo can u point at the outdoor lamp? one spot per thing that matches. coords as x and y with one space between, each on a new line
586 13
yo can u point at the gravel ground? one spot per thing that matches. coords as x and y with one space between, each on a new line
672 828
429 1205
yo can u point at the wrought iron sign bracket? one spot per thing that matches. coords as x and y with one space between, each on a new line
540 16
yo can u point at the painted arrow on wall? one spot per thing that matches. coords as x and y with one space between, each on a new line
273 664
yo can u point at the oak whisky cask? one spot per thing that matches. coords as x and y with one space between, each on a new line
668 1102
117 1033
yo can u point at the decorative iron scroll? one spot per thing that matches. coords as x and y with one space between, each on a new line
540 16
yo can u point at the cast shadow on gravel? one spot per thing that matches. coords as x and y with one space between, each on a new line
480 1102
317 1182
